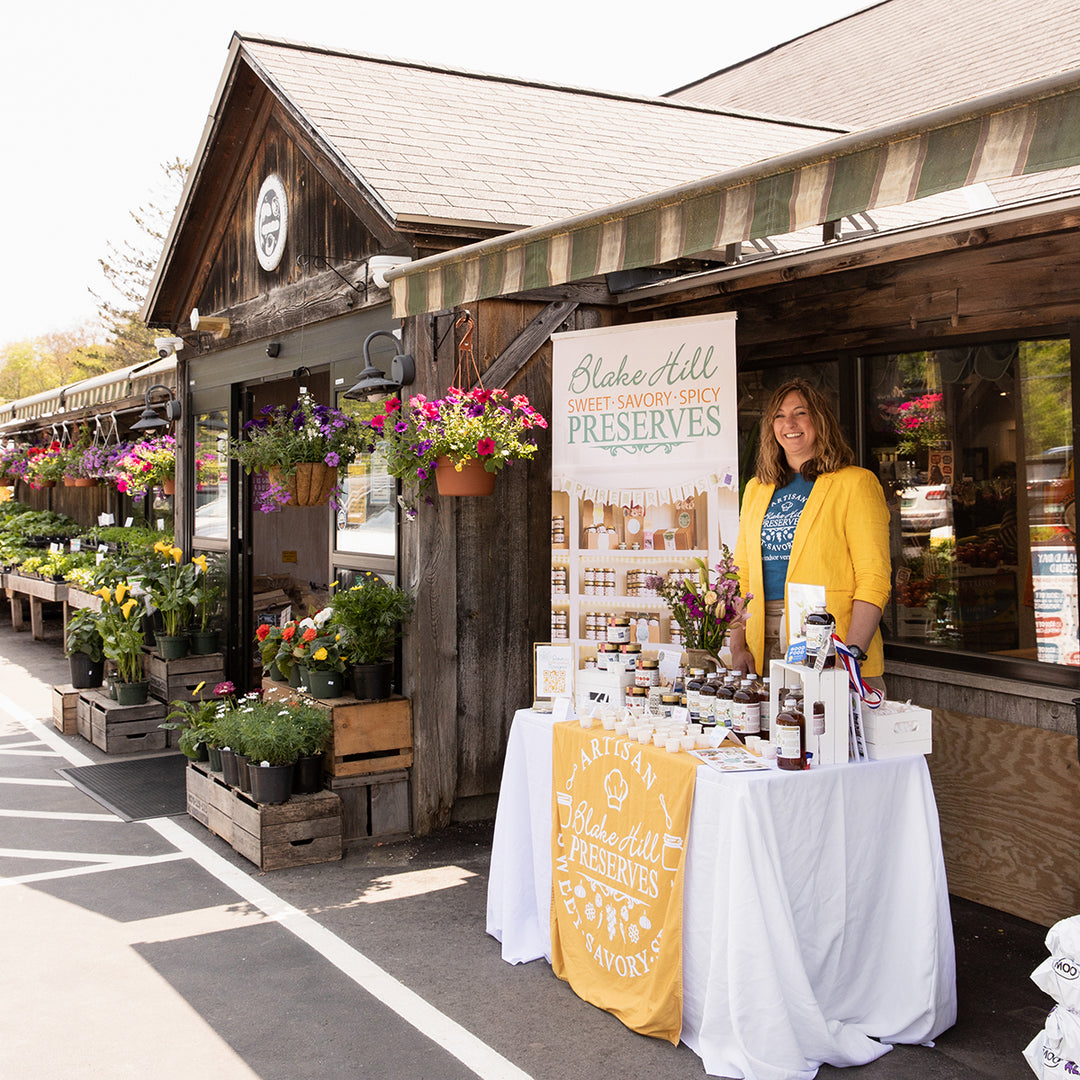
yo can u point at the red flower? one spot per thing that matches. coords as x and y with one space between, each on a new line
485 447
262 632
288 632
392 405
310 634
378 421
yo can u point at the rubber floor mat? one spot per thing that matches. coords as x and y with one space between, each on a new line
136 789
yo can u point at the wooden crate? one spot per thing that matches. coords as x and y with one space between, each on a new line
369 736
123 729
65 705
174 680
305 830
373 807
83 708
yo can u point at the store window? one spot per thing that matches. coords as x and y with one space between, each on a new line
367 509
973 446
211 475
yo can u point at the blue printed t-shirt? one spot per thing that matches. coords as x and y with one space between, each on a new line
778 532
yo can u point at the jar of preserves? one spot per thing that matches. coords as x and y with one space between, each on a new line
647 673
618 630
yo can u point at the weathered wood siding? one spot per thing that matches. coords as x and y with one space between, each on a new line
481 568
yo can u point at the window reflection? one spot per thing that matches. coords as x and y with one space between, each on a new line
367 512
211 475
973 447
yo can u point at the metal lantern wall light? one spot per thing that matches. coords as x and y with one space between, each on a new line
372 382
150 421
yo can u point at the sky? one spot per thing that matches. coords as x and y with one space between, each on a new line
96 96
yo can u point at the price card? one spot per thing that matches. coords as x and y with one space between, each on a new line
76 545
561 709
160 524
128 522
54 548
680 714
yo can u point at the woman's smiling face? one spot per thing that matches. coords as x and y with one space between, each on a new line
794 430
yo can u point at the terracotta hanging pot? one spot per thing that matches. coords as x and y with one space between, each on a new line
471 479
69 481
168 487
86 481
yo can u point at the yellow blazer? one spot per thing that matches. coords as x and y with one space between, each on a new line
841 542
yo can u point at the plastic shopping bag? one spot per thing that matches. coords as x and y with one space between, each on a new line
1055 1051
1059 974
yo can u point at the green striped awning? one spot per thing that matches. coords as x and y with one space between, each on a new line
1027 129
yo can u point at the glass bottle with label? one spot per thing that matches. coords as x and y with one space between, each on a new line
724 693
765 698
707 700
820 627
746 710
789 736
693 691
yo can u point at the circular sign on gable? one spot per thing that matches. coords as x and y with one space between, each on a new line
271 222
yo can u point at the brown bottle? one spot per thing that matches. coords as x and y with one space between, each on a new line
725 693
820 627
789 735
746 710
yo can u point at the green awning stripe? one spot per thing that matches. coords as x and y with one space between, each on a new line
1005 140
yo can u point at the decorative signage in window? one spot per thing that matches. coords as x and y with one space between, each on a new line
271 222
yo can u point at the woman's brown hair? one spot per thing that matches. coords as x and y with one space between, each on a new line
831 451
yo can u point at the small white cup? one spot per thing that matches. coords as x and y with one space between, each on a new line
673 745
688 741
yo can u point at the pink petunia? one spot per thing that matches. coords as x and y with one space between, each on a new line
485 447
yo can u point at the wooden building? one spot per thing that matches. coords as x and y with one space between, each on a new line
944 243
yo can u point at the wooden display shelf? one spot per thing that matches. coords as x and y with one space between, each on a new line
369 736
120 729
305 830
373 807
39 592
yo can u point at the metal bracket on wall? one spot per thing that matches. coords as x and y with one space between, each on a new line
322 262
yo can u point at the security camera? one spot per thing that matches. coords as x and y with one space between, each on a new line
166 346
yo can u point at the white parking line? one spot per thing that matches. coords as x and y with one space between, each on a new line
114 863
31 781
456 1040
58 815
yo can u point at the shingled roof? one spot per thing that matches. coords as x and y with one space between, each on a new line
436 144
898 58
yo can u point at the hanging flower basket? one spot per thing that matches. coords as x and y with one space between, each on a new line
86 481
168 487
311 485
469 478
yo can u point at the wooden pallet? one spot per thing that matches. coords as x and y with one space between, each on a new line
65 705
175 680
305 830
120 729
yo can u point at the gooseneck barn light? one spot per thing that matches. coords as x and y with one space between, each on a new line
372 382
150 421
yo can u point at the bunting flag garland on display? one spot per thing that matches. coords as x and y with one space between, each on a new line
869 694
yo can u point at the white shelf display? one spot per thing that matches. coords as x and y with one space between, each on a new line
829 687
644 470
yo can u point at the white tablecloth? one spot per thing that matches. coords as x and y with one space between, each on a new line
815 911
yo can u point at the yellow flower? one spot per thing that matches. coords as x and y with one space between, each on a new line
200 562
105 594
198 688
162 547
176 553
121 591
710 597
320 654
128 607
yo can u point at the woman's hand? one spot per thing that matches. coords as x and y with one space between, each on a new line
742 659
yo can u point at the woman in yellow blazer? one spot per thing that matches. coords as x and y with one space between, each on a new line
810 516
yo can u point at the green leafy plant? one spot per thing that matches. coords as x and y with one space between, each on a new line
315 726
268 637
198 720
172 586
121 631
487 425
84 635
370 616
317 643
270 733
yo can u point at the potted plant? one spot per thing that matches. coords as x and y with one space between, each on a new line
45 465
85 649
705 607
13 462
290 670
146 464
207 589
73 454
122 637
228 736
315 727
171 584
317 649
300 447
271 741
369 616
463 440
268 638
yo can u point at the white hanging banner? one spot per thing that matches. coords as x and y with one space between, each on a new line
645 414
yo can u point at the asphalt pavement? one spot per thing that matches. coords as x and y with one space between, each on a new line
150 948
